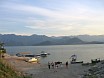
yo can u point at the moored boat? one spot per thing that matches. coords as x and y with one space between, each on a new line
74 58
76 62
44 54
27 56
32 60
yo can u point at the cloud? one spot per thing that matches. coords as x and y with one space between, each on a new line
78 12
72 13
77 19
49 24
31 10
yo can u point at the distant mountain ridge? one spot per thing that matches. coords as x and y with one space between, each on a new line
63 41
34 40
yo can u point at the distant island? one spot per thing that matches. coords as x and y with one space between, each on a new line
41 40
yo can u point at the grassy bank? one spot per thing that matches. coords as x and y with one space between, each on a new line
8 71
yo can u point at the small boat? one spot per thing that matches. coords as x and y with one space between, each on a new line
37 55
44 54
27 56
94 61
32 60
24 54
76 62
74 58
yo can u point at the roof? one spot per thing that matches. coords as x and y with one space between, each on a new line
25 53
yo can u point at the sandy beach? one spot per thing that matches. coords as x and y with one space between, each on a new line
37 70
73 71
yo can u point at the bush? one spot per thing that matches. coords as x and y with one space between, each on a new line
7 71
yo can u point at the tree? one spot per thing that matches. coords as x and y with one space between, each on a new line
2 50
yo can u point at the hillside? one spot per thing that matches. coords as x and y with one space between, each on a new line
7 71
33 40
18 40
62 41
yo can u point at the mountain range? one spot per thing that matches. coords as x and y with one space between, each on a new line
37 40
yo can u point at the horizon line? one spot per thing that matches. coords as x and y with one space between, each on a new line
48 35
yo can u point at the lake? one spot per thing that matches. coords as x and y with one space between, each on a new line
62 52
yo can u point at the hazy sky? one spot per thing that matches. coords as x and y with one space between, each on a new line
52 17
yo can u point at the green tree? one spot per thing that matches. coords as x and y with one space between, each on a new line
2 50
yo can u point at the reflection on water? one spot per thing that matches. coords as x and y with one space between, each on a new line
62 52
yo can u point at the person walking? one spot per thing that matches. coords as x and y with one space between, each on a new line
49 65
67 64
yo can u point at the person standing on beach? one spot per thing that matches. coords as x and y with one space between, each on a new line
67 64
48 65
52 65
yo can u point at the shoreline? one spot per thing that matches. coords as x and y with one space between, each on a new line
38 70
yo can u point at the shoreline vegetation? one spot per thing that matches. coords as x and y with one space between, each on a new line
16 67
7 70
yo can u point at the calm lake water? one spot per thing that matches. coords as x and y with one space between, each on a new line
62 52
